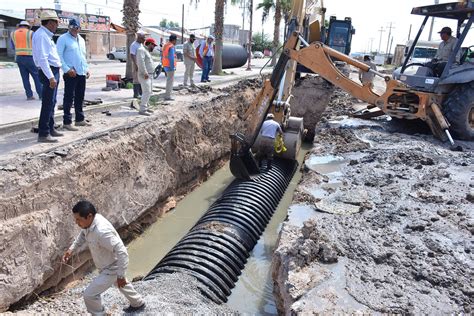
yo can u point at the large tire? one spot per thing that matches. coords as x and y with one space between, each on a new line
111 56
459 111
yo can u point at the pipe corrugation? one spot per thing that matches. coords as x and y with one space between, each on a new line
216 249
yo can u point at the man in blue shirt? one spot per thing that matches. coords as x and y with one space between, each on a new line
72 52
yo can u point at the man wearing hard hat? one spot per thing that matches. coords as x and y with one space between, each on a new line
21 40
269 131
46 58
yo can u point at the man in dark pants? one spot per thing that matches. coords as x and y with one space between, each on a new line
72 52
206 51
21 40
47 60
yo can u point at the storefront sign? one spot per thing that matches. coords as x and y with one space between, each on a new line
89 22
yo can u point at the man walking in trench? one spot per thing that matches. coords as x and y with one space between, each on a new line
72 52
109 255
46 58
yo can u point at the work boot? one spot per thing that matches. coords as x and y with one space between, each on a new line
30 98
69 127
144 113
46 139
55 133
132 309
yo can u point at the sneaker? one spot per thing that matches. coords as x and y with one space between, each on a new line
169 99
69 127
207 80
185 84
149 110
55 133
132 309
60 107
83 123
134 104
145 113
30 98
46 139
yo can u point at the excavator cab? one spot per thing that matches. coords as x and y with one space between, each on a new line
339 34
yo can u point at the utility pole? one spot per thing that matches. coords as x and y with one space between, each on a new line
182 24
432 23
371 43
380 41
243 14
99 11
388 40
250 34
409 32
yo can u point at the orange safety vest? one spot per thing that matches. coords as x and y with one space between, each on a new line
165 59
22 40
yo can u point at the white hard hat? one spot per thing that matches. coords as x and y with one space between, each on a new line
49 15
211 37
24 23
270 116
141 33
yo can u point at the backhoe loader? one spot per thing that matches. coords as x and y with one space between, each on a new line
401 99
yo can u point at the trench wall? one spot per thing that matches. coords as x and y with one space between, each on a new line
125 172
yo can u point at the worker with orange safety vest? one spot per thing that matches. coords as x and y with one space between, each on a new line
21 41
168 60
206 50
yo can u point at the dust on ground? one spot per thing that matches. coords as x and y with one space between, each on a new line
387 228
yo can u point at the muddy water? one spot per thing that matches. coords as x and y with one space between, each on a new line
254 290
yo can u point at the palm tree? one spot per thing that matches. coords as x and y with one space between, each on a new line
131 11
218 32
278 7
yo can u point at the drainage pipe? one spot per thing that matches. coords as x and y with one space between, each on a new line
216 249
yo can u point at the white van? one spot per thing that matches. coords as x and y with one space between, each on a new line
424 51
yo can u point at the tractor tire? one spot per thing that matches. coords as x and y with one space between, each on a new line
459 111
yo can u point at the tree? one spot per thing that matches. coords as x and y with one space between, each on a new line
278 7
131 11
261 43
164 23
218 32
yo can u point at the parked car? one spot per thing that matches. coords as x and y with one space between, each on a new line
258 55
119 53
179 52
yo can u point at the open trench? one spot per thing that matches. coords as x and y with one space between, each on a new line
133 173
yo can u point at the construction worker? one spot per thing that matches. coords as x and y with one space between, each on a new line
438 63
169 61
145 74
137 92
22 42
367 77
189 53
46 58
109 255
206 51
72 52
269 131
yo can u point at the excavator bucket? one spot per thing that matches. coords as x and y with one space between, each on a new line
242 162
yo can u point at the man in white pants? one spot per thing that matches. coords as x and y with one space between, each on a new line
189 53
145 74
110 257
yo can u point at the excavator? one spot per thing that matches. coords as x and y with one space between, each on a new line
440 102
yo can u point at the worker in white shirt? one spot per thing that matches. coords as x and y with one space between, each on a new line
145 69
46 58
109 255
269 131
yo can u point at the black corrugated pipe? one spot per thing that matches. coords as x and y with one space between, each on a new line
216 249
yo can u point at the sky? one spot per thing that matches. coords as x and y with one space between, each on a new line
368 16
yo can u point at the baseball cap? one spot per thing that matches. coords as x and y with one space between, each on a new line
49 15
270 116
24 23
446 30
151 40
141 33
74 23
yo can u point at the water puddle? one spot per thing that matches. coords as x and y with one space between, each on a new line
300 213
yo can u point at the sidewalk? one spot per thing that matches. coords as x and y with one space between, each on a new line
18 114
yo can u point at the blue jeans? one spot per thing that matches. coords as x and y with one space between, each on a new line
27 67
74 89
48 102
206 67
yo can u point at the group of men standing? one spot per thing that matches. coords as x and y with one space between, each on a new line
37 55
143 68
